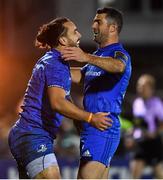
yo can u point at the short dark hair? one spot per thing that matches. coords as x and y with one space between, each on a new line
115 15
49 34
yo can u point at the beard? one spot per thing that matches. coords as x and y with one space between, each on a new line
100 38
72 43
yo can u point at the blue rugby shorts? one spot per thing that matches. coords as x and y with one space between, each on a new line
98 148
29 149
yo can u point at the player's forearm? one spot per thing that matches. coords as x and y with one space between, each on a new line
76 74
69 110
107 63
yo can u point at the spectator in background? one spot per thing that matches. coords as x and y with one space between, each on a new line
148 114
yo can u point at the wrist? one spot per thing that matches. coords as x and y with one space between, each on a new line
89 119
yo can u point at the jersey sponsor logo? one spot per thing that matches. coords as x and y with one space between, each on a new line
119 54
42 148
92 73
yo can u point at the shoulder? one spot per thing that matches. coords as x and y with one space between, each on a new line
53 61
121 52
122 55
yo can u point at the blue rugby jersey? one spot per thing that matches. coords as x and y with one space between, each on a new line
104 91
37 116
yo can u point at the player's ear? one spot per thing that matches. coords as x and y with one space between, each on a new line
113 28
63 41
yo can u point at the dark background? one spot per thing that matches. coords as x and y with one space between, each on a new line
20 20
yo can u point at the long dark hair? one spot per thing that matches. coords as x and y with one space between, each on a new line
49 34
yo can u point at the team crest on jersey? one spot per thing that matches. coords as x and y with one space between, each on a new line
42 148
119 54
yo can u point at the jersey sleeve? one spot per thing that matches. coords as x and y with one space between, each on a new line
57 75
121 56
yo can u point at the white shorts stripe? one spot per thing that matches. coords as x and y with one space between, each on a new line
36 166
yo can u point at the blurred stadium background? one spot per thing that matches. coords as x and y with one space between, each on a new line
19 22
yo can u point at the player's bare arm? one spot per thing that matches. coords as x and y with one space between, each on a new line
66 108
76 75
109 64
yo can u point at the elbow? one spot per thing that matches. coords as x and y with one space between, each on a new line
54 106
122 69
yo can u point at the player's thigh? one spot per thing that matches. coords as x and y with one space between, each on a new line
106 173
51 172
91 170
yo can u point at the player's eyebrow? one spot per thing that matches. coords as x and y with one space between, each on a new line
97 20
